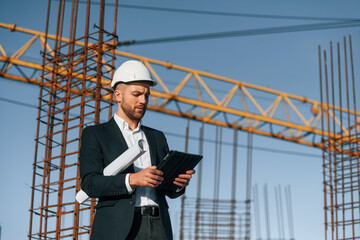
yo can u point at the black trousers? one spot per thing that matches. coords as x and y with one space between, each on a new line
145 227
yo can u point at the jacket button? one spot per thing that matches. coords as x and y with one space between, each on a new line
132 202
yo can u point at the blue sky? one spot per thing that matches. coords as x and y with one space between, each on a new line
287 62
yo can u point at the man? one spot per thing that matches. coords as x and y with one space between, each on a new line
129 204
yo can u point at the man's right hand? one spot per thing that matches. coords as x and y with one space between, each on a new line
148 177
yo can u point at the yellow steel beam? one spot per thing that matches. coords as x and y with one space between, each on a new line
176 113
205 105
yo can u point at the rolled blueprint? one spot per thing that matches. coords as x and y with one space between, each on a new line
119 164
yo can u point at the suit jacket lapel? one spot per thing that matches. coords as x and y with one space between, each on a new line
117 136
152 144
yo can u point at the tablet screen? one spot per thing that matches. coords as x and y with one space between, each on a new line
175 163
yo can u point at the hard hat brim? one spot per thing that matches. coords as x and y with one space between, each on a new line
152 83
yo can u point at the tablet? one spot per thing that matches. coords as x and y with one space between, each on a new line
175 163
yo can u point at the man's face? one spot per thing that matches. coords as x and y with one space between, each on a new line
133 99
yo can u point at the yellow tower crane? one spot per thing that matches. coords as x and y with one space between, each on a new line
287 116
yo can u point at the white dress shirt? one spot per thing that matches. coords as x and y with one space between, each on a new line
145 196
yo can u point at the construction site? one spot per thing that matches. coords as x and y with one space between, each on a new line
281 152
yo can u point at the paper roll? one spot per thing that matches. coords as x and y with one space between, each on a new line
122 162
119 164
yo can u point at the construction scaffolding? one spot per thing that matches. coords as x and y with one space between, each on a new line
214 219
229 219
203 218
69 101
341 165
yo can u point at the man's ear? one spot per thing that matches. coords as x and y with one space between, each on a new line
118 95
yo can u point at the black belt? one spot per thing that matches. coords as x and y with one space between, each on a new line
148 210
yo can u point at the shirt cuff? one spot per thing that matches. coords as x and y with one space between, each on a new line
127 183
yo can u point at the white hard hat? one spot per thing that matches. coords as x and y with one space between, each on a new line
132 71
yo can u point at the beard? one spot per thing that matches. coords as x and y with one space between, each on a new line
133 113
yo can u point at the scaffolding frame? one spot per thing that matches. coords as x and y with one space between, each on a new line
341 155
68 102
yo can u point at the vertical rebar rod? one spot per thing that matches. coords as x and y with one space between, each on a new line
62 154
267 216
38 123
82 104
341 145
323 143
50 123
99 62
217 168
282 225
334 140
277 200
354 90
113 55
65 121
216 163
233 184
289 212
77 205
330 141
198 195
248 186
349 129
257 212
355 120
183 196
216 179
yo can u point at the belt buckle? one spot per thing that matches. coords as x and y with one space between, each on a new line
148 210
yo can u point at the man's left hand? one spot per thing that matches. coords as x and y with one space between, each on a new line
183 179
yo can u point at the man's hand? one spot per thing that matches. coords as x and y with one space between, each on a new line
183 179
148 177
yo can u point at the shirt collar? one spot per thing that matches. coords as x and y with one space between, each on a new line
123 125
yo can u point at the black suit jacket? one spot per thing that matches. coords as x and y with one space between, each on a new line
100 145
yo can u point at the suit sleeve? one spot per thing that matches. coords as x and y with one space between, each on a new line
93 182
